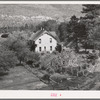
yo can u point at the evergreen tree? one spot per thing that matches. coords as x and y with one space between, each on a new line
62 31
92 12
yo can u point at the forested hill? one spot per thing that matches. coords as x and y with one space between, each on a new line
50 10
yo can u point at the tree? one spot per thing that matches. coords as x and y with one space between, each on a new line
18 45
91 10
7 59
58 48
72 29
26 27
63 31
91 15
96 37
32 45
50 25
77 32
32 58
80 34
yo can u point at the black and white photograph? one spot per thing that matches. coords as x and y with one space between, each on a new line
50 47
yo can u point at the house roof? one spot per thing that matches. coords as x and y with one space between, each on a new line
36 35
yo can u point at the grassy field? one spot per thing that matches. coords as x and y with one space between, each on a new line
19 78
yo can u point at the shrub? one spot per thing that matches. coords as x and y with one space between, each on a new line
37 64
58 48
55 52
42 53
50 70
48 52
80 74
43 68
4 35
32 59
32 56
92 57
29 62
46 77
58 77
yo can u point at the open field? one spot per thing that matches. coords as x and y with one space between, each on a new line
19 78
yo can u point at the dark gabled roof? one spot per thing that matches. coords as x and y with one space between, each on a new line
36 35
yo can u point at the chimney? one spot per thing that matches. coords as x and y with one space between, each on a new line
41 28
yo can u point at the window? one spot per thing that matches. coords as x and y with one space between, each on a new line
39 40
39 48
50 48
45 48
50 40
63 62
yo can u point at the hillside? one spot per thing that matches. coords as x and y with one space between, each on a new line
51 10
22 13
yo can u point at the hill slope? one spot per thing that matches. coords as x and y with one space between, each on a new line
50 10
31 12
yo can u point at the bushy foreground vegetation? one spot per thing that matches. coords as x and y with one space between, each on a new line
67 62
68 68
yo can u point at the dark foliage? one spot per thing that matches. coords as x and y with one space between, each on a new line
4 35
58 48
32 45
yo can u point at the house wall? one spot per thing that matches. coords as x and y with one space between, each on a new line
45 43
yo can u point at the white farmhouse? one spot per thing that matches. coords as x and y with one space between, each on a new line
45 40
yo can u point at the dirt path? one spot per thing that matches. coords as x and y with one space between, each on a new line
20 78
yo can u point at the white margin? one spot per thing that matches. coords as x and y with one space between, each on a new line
40 94
49 2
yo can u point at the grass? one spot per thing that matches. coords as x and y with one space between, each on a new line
19 78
